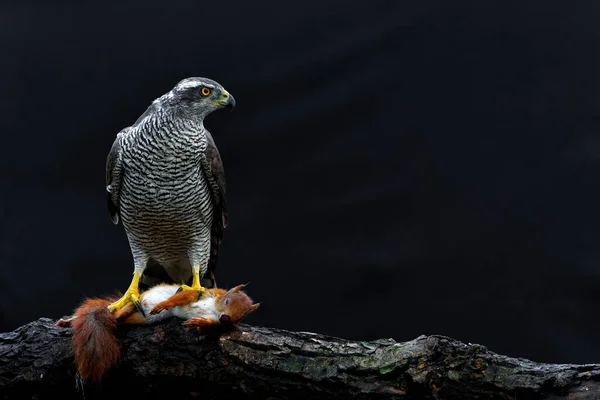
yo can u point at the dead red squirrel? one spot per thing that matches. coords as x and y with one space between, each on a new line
96 346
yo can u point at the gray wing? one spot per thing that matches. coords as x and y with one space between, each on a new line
212 166
114 173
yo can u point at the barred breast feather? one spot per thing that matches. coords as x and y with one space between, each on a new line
161 191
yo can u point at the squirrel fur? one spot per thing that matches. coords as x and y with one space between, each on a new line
96 346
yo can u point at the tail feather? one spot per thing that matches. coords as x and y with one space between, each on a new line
95 343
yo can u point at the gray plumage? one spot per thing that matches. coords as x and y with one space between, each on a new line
166 183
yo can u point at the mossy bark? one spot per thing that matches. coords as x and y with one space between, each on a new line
167 360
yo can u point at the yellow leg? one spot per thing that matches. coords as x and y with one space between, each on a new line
131 295
195 282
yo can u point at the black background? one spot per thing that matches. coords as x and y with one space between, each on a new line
394 168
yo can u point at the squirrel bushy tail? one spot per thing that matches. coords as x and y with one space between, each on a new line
95 343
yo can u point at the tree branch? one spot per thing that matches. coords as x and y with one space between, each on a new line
254 362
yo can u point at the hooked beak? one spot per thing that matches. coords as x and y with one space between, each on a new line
226 100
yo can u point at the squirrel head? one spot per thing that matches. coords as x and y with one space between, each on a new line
235 305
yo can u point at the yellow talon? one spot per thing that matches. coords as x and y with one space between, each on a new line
131 295
195 282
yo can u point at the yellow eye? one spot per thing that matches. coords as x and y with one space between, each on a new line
205 91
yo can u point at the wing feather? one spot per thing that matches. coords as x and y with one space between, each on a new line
212 167
114 172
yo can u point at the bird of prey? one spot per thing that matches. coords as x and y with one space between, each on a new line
165 182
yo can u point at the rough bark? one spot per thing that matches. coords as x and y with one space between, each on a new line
264 363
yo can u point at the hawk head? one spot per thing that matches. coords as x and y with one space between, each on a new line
199 96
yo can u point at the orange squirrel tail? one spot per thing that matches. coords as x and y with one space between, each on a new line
95 343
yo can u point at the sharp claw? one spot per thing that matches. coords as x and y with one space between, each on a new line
139 307
179 290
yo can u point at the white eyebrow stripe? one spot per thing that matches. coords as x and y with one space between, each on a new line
192 84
